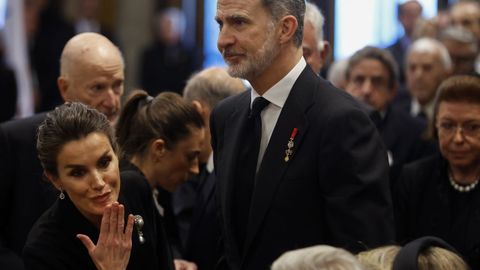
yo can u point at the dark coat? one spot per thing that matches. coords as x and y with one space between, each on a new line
24 195
203 246
403 137
52 243
426 204
334 189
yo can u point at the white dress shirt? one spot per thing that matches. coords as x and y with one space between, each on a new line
277 95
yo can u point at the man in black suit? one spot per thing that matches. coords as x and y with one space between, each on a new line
320 172
372 77
428 63
408 13
91 72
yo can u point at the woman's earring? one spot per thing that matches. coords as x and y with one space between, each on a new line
62 195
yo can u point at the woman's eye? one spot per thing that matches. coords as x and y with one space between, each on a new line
77 172
104 162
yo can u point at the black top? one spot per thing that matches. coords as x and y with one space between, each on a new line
426 204
52 242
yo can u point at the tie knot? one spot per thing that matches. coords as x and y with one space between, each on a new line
258 105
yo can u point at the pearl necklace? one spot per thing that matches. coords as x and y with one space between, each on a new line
461 188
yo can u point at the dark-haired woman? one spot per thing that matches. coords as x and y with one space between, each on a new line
440 195
161 138
85 227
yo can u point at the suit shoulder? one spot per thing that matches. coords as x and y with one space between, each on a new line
232 101
421 172
133 184
20 128
427 163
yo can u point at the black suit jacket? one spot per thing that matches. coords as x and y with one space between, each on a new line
52 243
398 52
403 137
203 244
426 204
334 190
24 195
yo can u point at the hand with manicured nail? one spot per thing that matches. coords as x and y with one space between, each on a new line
114 244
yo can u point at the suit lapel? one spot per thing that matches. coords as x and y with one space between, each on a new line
273 165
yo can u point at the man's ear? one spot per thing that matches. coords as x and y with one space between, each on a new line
62 83
157 149
325 52
54 180
288 26
203 109
198 106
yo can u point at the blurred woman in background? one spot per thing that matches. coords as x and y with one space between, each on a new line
160 140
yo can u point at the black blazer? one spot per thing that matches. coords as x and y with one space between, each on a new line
24 195
203 244
334 190
52 243
426 204
402 135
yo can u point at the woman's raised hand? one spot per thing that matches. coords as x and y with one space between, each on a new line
114 244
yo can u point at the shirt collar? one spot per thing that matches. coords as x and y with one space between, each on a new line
278 93
416 108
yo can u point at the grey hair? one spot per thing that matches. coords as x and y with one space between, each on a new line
317 257
212 85
430 46
315 17
280 8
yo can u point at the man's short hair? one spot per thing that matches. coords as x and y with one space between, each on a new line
431 46
315 17
212 85
317 257
401 6
280 8
383 56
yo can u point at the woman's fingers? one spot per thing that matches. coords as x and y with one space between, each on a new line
87 242
114 219
129 228
120 219
105 225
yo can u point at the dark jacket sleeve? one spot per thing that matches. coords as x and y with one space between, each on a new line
354 179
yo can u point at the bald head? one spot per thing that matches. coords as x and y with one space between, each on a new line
87 48
91 72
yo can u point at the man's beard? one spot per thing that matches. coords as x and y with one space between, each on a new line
255 64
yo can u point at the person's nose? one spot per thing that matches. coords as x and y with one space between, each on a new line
458 135
97 181
225 38
418 73
366 88
111 99
194 167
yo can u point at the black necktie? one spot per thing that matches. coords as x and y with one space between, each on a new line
247 167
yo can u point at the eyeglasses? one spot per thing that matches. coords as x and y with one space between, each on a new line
469 129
